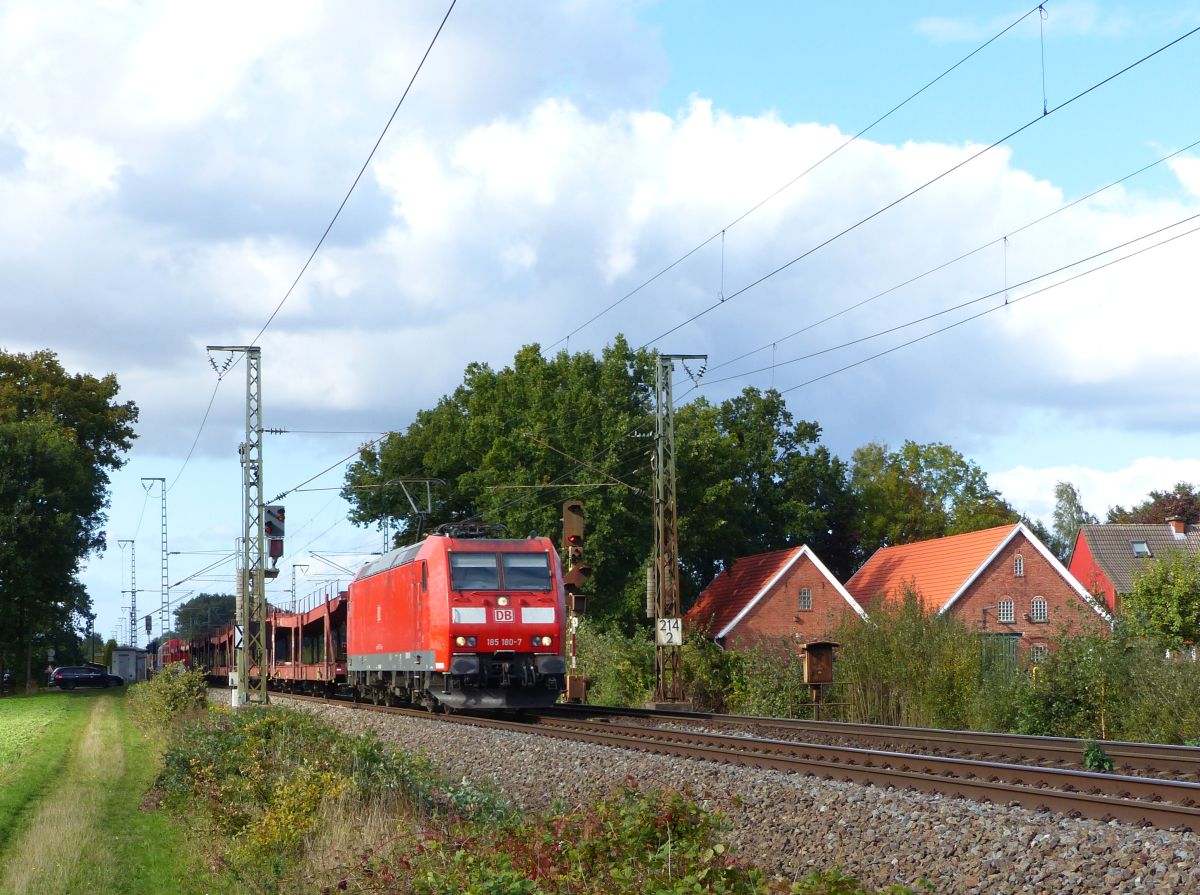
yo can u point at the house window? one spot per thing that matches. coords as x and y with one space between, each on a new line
1019 566
1039 611
1140 549
805 599
1006 612
1038 653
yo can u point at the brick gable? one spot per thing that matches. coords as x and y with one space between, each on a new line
778 614
978 605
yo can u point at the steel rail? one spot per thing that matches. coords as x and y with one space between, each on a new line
1074 793
1146 757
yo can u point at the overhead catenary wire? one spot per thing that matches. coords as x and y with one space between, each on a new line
721 232
836 236
987 311
908 282
998 292
320 242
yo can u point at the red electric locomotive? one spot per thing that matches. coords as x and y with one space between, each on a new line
459 620
170 651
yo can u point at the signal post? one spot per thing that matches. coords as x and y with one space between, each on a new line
576 576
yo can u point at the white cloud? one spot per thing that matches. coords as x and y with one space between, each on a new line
1031 490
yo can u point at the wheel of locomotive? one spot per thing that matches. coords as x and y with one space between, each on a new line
378 697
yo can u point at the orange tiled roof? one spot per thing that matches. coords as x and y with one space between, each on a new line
730 591
938 567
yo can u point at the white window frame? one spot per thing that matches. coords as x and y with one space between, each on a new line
1019 566
1006 612
1038 653
1039 610
1144 553
805 599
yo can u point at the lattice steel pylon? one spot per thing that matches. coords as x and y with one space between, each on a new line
166 581
668 686
132 591
252 603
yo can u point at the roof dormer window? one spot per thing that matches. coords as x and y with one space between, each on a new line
1141 549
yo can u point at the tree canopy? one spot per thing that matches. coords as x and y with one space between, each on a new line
61 435
202 613
512 444
918 492
1165 601
1180 502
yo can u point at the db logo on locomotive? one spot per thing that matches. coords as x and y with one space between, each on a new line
503 615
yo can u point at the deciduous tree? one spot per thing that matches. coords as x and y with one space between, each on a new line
921 491
1165 601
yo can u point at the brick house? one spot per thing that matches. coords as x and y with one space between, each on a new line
785 593
1001 581
1105 557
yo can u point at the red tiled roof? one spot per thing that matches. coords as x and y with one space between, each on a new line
730 591
939 567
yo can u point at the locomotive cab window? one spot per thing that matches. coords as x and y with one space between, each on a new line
526 571
474 571
503 571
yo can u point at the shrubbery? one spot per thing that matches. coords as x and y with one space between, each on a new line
910 668
166 697
295 805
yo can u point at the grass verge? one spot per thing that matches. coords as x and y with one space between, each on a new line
83 830
36 733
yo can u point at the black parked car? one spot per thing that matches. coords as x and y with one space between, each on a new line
71 676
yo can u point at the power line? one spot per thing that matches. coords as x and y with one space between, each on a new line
987 311
952 261
792 182
320 241
727 299
357 177
961 305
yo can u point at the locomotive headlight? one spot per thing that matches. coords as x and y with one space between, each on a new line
502 600
460 641
470 641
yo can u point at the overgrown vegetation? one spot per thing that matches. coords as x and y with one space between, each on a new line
913 669
323 811
174 693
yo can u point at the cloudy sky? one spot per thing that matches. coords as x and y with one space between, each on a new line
166 169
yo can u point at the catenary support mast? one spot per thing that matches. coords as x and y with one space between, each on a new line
668 610
252 603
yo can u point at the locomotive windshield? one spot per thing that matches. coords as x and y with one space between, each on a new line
499 571
526 571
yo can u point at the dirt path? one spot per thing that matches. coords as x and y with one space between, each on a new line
63 848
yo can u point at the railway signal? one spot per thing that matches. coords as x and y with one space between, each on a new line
578 571
273 530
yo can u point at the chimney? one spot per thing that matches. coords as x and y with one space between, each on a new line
1177 525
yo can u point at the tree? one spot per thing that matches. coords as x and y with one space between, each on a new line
512 444
1165 601
201 614
752 479
1180 502
919 492
1069 517
60 437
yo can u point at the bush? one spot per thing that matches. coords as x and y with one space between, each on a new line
770 682
908 667
619 667
175 693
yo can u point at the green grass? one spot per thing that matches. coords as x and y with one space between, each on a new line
75 819
35 735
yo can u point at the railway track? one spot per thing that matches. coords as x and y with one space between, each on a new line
1136 759
1157 802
